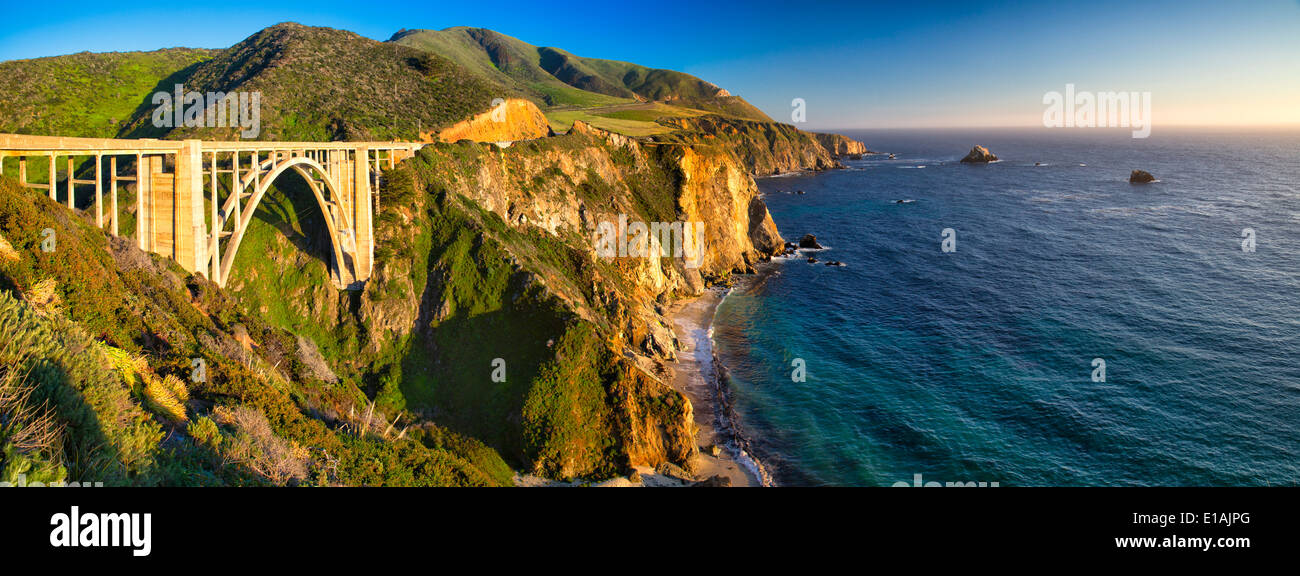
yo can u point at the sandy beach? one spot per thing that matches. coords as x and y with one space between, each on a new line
693 374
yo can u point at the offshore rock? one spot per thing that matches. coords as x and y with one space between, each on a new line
1141 177
979 155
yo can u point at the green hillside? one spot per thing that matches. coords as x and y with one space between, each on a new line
97 344
320 84
504 61
556 78
316 84
85 94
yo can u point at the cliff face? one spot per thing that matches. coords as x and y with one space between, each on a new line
567 186
840 145
765 148
515 119
503 262
717 190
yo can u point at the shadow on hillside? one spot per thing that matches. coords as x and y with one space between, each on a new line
291 207
88 453
453 384
141 123
448 369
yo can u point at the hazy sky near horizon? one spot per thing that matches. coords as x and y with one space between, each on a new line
856 64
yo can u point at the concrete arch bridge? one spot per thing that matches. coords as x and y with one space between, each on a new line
195 199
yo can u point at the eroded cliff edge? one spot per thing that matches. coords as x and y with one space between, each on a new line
765 148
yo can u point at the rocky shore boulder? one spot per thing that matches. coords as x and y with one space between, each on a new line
762 230
715 481
674 471
1141 177
979 155
809 241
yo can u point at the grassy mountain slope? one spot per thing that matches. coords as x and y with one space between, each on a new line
555 77
637 119
321 84
316 84
85 94
504 61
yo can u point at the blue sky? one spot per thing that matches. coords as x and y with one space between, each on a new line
856 64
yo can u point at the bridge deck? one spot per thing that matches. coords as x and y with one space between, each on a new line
37 145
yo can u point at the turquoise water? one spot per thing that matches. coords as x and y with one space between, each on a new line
976 365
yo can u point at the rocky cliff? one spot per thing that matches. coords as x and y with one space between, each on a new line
766 148
840 145
497 258
513 119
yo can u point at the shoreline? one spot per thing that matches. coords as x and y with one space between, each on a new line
700 376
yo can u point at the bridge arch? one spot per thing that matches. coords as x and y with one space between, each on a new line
340 229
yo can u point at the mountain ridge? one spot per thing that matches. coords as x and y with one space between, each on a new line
544 72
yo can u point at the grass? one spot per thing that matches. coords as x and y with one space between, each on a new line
508 63
555 78
85 94
562 96
102 434
636 120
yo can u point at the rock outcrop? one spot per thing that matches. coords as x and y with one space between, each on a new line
1141 177
514 119
765 148
840 145
979 155
809 241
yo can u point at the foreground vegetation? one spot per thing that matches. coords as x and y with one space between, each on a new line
98 382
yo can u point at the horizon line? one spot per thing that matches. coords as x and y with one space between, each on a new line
1274 126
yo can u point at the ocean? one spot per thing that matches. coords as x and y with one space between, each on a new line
980 364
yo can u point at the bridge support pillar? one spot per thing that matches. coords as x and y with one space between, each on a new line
147 170
191 230
361 219
170 221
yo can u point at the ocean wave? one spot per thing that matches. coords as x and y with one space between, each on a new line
785 175
728 421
